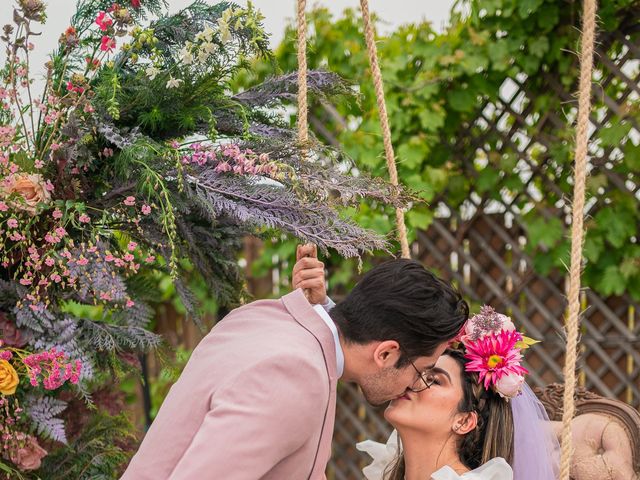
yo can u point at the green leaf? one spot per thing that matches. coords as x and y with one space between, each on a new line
432 118
544 232
612 282
632 155
487 179
527 7
593 247
630 267
613 135
412 153
539 46
462 100
420 218
617 224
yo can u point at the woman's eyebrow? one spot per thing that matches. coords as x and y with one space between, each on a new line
437 370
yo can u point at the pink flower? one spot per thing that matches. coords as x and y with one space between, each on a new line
128 257
130 303
495 356
510 385
130 201
146 209
132 246
29 456
149 259
12 223
3 207
84 218
223 167
57 214
82 261
107 44
50 262
39 164
102 22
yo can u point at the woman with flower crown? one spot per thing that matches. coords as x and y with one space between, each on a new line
471 417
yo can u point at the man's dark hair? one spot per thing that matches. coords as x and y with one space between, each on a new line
403 301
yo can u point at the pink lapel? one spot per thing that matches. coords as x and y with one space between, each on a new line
302 311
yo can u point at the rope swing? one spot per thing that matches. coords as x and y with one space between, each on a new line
577 230
303 129
572 320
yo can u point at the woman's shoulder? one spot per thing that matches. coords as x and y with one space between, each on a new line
495 469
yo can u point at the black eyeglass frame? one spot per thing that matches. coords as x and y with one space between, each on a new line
427 379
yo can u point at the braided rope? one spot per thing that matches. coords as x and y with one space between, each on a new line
303 128
384 121
577 230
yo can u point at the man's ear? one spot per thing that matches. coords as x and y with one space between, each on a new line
465 422
386 354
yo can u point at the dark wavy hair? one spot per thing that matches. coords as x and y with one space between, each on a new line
403 301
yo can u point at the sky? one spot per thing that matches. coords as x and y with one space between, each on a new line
277 14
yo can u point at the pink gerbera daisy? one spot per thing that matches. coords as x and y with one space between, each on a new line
495 356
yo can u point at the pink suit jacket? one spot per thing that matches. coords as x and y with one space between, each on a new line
255 401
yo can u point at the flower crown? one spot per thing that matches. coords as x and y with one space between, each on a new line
493 347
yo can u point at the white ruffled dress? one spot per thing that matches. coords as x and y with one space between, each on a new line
495 469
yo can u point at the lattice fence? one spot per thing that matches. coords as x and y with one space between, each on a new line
482 245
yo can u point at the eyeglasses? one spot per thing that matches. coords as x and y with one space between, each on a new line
424 380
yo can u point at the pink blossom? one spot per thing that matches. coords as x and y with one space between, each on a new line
495 356
49 186
102 22
84 218
132 246
61 232
55 146
146 209
105 296
82 261
12 223
50 262
107 152
130 303
127 257
3 207
129 201
26 281
57 214
39 164
109 258
149 259
107 44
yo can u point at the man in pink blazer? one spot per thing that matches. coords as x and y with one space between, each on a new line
257 398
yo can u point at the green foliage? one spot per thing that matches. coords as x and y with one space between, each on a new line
435 86
98 453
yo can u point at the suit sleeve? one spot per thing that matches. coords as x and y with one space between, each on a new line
267 413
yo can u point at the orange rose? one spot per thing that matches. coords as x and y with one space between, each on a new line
30 187
8 378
